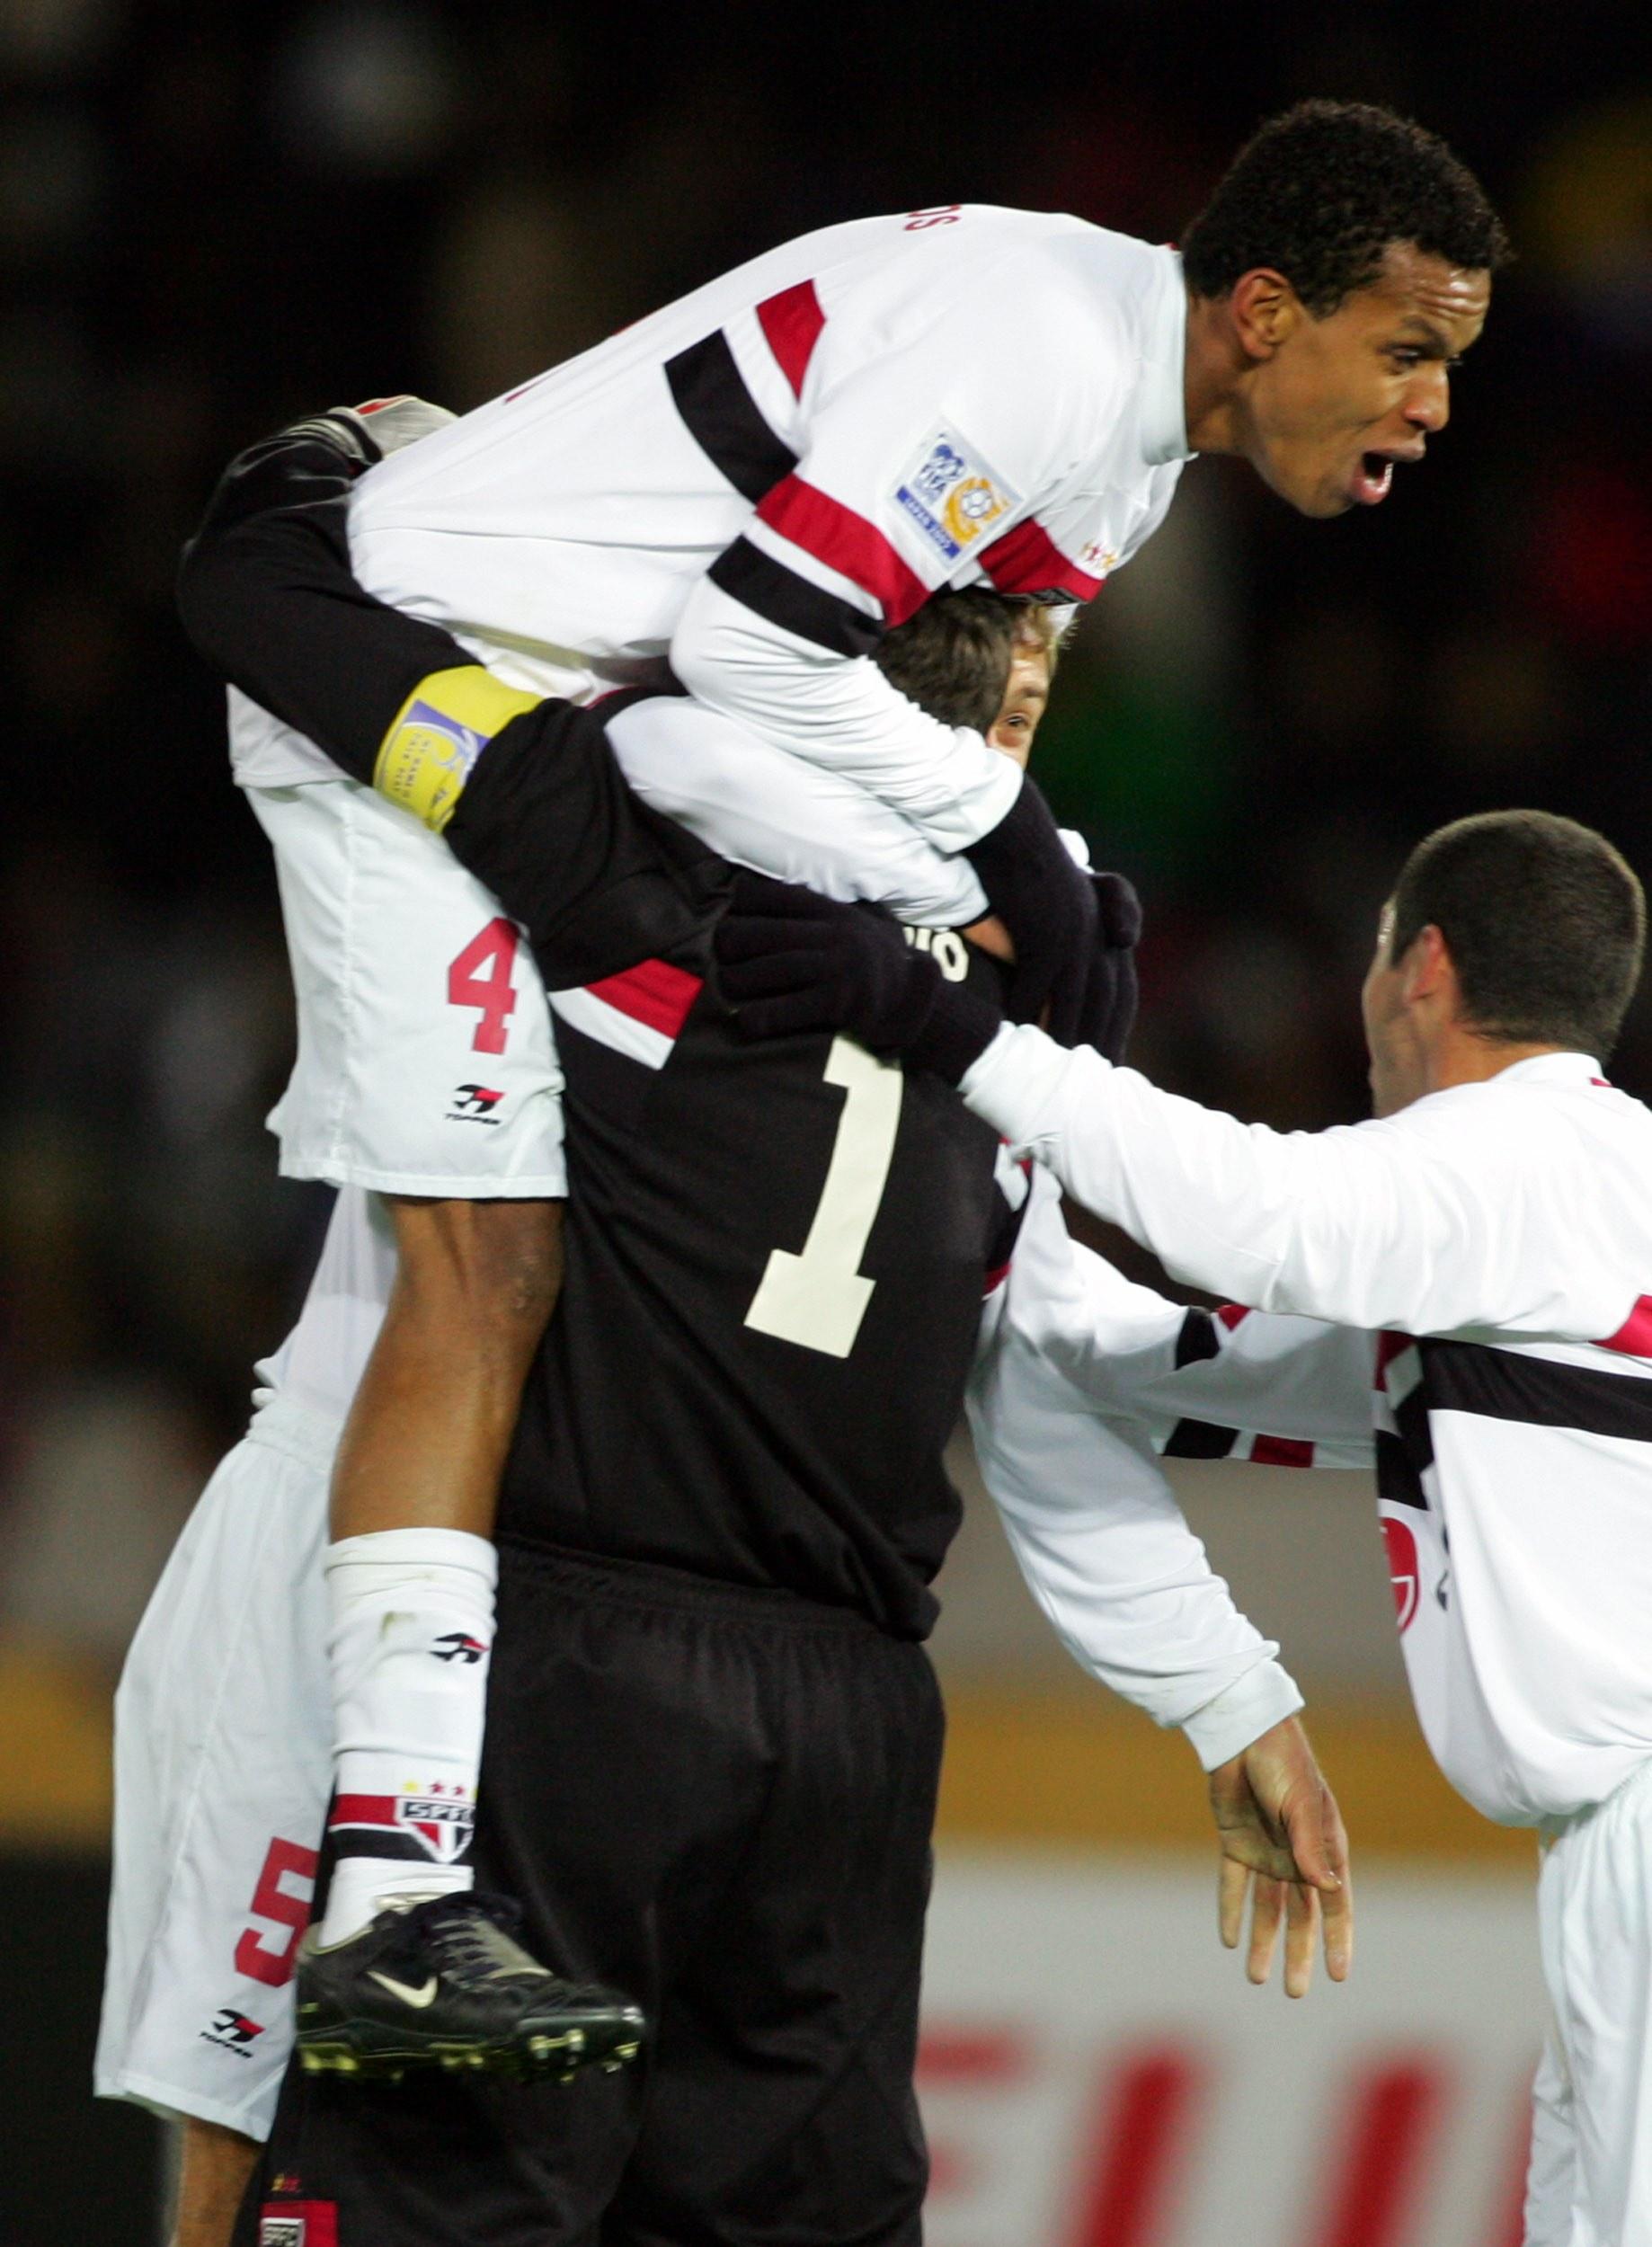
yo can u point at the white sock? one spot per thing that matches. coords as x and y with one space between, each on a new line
411 1629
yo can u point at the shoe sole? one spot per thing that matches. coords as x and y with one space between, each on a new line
367 2051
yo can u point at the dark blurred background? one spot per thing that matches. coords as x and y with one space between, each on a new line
215 215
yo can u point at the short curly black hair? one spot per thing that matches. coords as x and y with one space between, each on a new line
1322 191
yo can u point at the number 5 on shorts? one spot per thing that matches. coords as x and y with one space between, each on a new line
481 977
255 1957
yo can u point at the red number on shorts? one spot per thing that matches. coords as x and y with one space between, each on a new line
481 977
253 1955
936 214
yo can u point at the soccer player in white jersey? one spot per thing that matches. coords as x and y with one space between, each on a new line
1483 1248
752 486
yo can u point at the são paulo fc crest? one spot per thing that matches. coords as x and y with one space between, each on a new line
1402 1569
437 1818
442 1822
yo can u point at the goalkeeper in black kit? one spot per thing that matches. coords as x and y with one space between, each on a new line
714 1737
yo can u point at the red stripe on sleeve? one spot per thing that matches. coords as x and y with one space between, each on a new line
1027 560
655 993
1280 1451
793 321
1634 1336
846 542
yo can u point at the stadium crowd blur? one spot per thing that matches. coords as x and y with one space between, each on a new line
213 217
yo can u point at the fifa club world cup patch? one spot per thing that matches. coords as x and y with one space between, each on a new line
298 2223
951 495
439 731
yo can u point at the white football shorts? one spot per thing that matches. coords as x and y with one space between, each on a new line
223 1761
426 1062
1590 2181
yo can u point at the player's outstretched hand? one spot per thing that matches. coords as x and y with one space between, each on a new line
1110 995
789 961
1048 906
1283 1841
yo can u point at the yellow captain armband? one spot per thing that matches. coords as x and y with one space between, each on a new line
437 736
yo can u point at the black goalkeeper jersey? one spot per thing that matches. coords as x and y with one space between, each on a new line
774 1260
775 1252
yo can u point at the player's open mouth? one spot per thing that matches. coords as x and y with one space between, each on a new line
1373 478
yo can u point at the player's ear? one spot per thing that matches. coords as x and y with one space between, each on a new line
1429 970
1265 310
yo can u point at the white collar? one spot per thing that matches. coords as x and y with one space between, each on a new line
1163 403
1552 1069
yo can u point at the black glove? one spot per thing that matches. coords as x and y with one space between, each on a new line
1048 905
1109 1008
790 961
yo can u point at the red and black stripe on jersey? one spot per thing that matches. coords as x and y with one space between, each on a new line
1418 1378
726 420
1201 1337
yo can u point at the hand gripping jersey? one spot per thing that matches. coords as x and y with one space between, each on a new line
1495 1243
756 481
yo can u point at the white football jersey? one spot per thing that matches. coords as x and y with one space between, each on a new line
1494 1243
755 482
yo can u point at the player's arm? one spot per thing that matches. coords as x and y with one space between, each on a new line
1107 1555
1128 1588
760 808
778 634
267 597
1235 1383
1424 1221
524 791
1439 1218
1095 1525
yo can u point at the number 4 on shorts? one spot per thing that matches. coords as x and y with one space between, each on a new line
481 977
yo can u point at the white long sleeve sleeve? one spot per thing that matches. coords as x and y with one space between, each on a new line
1284 1390
1466 1211
800 822
857 537
1103 1546
843 715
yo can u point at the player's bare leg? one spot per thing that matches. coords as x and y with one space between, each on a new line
213 2166
410 1567
426 1439
407 1969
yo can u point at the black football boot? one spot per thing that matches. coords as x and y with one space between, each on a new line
443 1983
